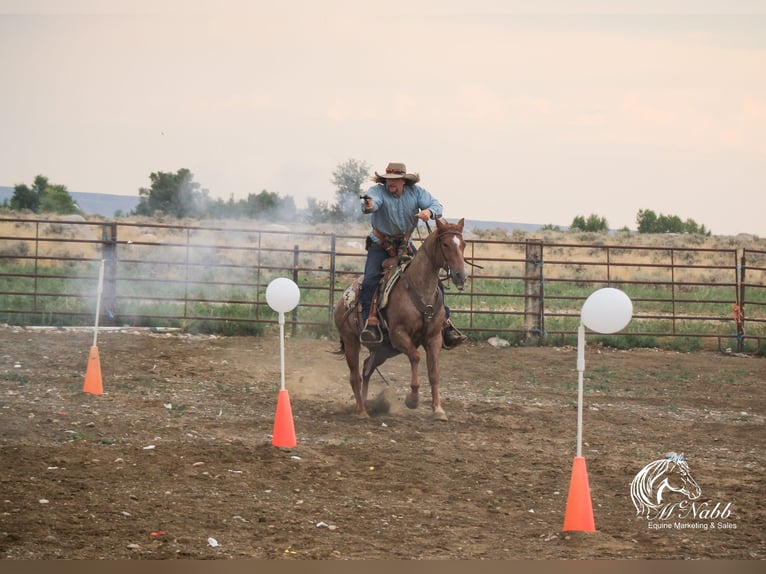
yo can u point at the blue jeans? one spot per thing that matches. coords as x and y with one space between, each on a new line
373 272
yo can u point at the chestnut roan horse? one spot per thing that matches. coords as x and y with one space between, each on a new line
413 316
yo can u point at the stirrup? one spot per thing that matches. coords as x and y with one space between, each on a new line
451 336
371 334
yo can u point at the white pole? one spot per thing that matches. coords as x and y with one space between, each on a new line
282 350
98 300
580 370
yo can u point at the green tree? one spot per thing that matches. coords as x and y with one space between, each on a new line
692 226
56 199
670 224
348 178
43 197
646 220
649 222
317 211
268 204
593 223
219 209
175 194
25 198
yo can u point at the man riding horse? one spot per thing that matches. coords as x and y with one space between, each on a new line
396 203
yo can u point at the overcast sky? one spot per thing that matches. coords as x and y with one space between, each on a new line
508 113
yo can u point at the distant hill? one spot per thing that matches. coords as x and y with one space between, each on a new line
102 204
504 225
107 205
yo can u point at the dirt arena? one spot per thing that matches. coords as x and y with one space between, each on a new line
175 459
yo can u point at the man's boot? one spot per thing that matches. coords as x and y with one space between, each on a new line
451 337
370 330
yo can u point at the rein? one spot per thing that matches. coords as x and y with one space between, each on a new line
434 266
426 309
471 263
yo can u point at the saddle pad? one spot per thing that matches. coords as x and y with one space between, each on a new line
351 293
389 283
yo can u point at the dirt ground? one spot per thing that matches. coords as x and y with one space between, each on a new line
175 459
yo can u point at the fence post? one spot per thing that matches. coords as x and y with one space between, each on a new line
333 246
296 260
739 307
109 255
534 316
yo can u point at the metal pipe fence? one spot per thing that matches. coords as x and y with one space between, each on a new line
183 276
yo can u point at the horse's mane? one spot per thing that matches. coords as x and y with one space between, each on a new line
642 489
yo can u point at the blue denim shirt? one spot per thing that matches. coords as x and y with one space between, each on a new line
396 216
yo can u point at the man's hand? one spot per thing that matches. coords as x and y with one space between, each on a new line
424 214
367 206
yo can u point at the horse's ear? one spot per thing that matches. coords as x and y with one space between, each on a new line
461 223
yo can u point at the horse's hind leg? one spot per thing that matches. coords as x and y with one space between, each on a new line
370 364
351 348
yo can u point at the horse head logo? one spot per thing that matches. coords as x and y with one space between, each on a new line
660 478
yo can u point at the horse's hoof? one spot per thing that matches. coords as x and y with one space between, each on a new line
410 402
440 415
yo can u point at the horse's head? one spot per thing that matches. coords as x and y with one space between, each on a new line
449 250
679 479
656 479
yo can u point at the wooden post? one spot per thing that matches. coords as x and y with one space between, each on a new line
296 262
534 317
109 255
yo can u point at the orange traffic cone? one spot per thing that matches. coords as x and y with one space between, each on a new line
579 514
93 374
284 431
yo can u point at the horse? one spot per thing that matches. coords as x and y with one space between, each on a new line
413 316
651 483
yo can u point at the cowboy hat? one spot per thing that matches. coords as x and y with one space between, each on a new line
396 170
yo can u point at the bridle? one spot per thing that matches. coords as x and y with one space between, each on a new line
445 265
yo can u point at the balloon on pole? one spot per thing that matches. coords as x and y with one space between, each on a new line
283 295
606 311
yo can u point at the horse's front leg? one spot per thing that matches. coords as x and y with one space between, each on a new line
432 361
413 398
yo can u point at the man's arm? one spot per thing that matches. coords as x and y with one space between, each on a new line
428 203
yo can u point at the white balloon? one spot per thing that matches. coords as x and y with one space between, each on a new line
282 294
607 310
